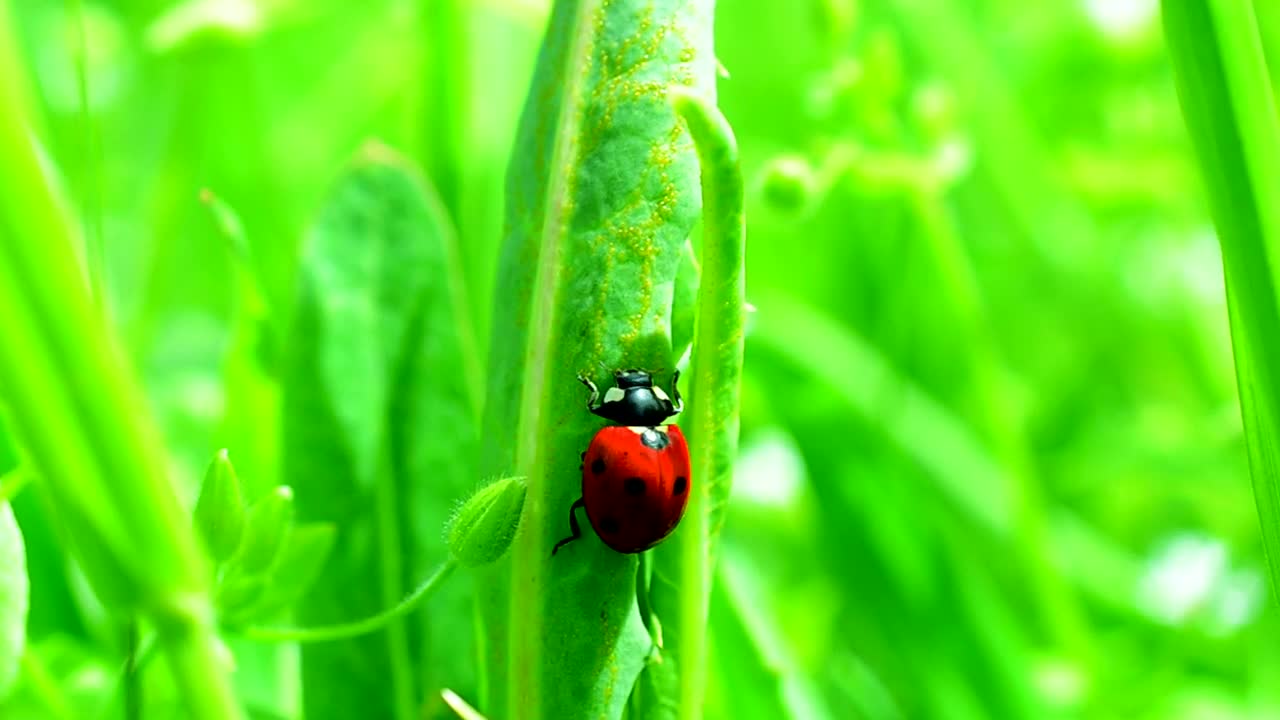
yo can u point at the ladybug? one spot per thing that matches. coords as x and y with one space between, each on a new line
635 475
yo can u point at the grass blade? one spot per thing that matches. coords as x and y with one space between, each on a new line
1229 107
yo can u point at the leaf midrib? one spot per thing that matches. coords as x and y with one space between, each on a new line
528 564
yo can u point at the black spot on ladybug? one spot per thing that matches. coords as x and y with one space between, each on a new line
633 486
655 439
608 526
582 455
682 484
597 466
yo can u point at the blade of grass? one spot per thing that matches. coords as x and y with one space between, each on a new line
1229 107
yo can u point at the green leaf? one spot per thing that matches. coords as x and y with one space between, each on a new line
238 595
711 420
219 513
13 598
379 402
265 529
303 556
601 196
1229 105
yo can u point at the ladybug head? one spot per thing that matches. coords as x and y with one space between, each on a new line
634 400
627 379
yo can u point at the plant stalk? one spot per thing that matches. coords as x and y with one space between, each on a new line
360 627
716 368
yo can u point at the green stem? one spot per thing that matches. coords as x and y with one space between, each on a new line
39 682
132 675
95 247
716 368
360 627
196 660
13 482
392 577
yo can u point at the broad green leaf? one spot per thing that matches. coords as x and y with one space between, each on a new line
378 424
13 598
1229 105
683 565
601 196
435 432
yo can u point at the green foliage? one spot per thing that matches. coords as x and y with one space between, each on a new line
992 458
378 420
601 196
76 412
1227 97
263 561
683 565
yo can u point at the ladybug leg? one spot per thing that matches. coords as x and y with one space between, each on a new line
592 400
675 391
575 531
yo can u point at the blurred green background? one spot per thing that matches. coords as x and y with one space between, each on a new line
992 462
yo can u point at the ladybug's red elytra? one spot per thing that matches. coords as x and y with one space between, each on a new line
635 475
